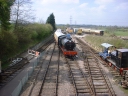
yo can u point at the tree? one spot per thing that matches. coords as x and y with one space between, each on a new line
51 20
8 44
21 13
5 13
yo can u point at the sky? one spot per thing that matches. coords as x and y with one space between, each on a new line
94 12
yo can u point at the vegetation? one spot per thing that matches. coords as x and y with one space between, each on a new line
5 13
117 31
96 41
13 43
51 20
19 34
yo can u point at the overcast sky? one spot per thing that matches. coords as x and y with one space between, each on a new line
96 12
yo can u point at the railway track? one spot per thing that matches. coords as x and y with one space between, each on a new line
96 77
114 72
46 77
49 84
80 82
8 74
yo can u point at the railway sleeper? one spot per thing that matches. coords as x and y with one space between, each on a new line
100 87
85 69
102 91
84 94
99 81
78 82
84 91
103 94
101 77
94 69
95 75
78 76
82 86
79 79
92 66
75 71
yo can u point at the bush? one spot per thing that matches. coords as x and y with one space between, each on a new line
25 36
8 44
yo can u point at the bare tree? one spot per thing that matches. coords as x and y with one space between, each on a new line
22 12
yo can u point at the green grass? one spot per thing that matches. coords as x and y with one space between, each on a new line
119 33
96 41
124 90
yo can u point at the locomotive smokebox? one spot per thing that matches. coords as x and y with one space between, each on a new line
68 44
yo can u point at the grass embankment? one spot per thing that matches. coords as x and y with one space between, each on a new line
96 41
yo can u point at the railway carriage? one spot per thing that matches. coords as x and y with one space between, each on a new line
65 43
91 31
117 58
87 31
97 32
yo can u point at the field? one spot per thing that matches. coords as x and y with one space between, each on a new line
111 36
117 31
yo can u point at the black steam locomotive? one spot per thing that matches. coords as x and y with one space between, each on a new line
65 43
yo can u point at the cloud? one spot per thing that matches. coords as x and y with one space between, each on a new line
83 5
57 1
83 12
122 6
69 1
103 2
98 9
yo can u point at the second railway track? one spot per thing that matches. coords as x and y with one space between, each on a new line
95 75
46 77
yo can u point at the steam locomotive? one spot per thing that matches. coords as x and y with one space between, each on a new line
116 58
65 43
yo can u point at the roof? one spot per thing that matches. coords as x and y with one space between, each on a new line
106 45
123 50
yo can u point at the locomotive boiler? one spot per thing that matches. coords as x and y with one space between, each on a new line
65 43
